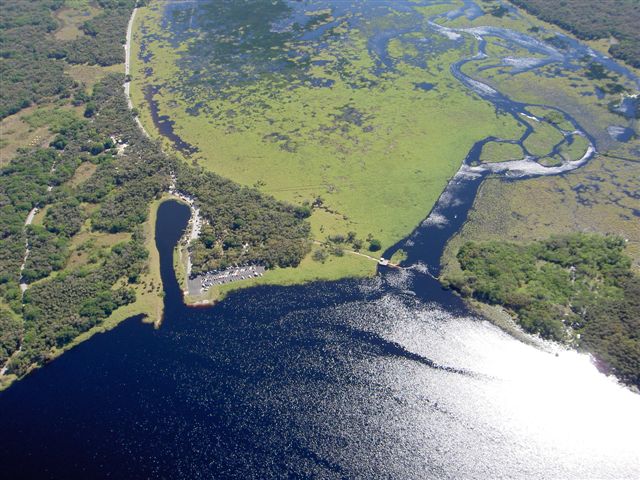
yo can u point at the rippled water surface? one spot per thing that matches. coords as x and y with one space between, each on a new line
351 379
389 377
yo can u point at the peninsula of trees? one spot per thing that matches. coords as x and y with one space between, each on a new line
577 289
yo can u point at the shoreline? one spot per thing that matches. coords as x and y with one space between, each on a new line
522 167
148 309
133 310
191 233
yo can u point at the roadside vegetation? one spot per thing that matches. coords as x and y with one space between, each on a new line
576 289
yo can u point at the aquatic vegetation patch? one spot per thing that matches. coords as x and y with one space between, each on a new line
543 139
501 152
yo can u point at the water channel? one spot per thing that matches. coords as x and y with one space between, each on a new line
388 377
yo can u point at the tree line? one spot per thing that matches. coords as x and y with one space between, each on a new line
594 20
577 289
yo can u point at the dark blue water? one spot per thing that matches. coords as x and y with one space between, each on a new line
389 377
351 379
206 395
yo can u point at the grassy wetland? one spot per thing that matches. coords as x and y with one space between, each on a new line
362 114
351 110
599 197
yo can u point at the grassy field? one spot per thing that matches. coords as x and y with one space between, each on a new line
16 132
91 74
543 139
576 150
500 152
72 16
378 154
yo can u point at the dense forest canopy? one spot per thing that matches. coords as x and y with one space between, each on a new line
595 20
59 307
28 70
32 60
243 225
577 288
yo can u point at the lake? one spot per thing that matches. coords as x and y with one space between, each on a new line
388 377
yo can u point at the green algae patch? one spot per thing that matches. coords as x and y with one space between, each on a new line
368 135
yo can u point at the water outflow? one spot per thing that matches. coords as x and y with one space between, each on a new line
389 377
529 165
425 245
351 379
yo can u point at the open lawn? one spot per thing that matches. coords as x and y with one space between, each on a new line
15 133
71 17
91 74
82 173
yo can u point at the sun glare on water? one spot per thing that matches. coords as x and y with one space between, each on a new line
544 412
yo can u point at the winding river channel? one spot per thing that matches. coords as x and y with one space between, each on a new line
388 377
